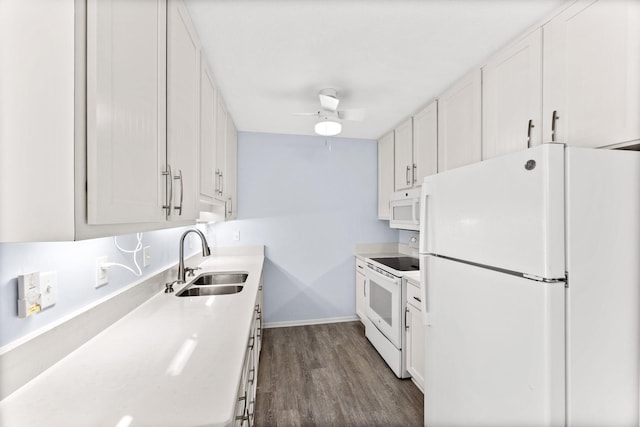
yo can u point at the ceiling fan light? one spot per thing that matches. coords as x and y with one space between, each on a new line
328 127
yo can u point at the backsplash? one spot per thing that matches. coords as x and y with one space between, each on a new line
75 266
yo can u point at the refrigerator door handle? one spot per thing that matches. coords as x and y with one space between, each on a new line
424 288
425 226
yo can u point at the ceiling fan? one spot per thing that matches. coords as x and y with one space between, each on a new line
329 117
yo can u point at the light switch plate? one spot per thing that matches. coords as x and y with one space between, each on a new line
48 288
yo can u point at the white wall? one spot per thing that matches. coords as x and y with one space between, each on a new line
75 264
309 200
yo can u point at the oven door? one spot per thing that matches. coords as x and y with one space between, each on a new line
384 304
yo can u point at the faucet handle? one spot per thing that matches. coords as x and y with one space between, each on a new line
168 287
190 270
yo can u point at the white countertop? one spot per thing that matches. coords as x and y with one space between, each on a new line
173 361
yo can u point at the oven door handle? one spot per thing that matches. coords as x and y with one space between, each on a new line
385 279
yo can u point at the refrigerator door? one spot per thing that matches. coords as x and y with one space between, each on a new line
603 297
494 348
506 212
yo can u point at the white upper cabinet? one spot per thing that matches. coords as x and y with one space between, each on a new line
232 170
404 165
183 76
221 149
126 101
459 123
425 143
591 68
207 137
512 97
37 120
385 173
416 148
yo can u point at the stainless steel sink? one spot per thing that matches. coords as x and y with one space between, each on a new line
195 291
222 278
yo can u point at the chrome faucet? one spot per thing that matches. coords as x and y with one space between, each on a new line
181 270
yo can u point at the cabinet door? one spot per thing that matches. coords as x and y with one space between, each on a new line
232 170
403 152
36 121
183 72
459 123
385 174
360 290
512 97
126 110
221 148
591 69
207 135
415 345
425 143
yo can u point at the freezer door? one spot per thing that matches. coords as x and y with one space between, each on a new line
494 348
506 212
603 301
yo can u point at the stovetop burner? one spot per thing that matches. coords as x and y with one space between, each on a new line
402 263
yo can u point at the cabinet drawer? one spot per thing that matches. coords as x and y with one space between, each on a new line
413 295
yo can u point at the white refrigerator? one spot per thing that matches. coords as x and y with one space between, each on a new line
530 274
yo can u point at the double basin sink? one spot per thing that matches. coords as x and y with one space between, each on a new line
218 283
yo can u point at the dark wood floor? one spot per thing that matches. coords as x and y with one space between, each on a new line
330 375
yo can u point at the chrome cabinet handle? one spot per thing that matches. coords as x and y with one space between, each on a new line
407 174
252 341
406 324
221 183
252 375
531 126
179 176
168 174
554 119
414 173
230 211
217 190
417 299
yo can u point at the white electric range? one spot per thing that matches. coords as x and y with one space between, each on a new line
386 301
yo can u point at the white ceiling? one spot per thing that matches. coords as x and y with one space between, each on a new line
271 57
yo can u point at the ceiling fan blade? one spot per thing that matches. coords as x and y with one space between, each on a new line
329 101
354 114
316 113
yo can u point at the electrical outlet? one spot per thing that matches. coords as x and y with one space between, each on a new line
102 273
146 256
236 235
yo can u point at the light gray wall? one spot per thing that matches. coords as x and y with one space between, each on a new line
309 200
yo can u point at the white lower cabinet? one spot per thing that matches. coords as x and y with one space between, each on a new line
415 331
361 296
246 396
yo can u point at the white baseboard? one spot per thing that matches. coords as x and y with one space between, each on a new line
310 322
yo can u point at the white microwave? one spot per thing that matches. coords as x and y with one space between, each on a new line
404 210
